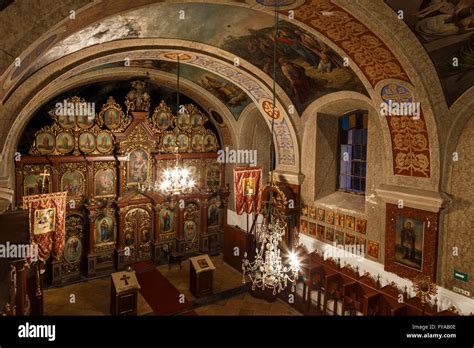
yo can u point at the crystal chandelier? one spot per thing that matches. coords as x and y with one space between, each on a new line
177 180
268 271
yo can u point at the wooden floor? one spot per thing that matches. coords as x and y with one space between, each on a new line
92 297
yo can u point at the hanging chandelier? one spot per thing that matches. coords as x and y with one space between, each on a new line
267 270
176 180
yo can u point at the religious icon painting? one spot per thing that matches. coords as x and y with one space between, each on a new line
72 250
304 226
87 142
312 212
44 221
304 210
145 235
104 183
197 142
183 121
65 142
162 120
112 118
73 183
138 167
190 230
248 186
169 142
104 229
340 221
196 121
105 142
329 236
361 226
33 184
166 220
213 175
349 239
409 235
373 249
312 229
320 232
85 121
339 238
45 142
209 142
213 214
330 217
183 142
350 222
67 121
321 214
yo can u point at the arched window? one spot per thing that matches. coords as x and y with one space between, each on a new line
352 151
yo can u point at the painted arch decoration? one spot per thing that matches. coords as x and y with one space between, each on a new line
366 50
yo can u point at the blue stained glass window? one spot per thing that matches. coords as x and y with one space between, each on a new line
353 152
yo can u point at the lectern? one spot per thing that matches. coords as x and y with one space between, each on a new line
124 293
201 272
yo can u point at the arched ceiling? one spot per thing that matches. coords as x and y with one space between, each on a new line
446 33
313 47
307 67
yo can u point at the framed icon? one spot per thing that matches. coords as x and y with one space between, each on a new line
45 142
169 142
73 183
183 142
65 142
85 121
67 121
197 142
183 121
104 183
112 118
105 142
87 142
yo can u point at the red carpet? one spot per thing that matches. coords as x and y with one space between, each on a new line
160 294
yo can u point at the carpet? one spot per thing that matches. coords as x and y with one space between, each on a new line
160 294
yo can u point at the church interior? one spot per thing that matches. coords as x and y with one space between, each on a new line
237 158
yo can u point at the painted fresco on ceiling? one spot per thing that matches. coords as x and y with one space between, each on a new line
228 93
307 69
446 30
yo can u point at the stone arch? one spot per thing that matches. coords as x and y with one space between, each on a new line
260 93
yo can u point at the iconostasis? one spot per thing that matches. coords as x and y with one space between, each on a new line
100 159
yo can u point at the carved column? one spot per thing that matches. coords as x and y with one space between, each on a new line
203 235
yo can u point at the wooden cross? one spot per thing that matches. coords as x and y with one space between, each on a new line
44 175
125 278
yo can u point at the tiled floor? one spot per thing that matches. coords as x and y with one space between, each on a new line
93 297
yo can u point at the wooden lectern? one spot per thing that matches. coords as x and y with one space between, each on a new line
124 293
201 273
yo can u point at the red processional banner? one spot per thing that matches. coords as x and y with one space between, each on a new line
47 214
246 188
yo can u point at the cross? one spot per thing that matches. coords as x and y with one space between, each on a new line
125 278
44 175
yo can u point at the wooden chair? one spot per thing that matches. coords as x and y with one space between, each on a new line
357 297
